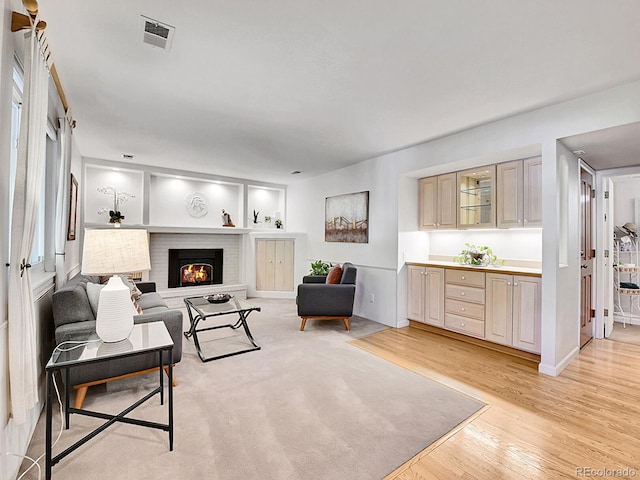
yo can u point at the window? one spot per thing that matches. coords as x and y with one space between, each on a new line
38 251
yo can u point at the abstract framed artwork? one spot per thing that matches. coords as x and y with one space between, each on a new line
73 209
347 218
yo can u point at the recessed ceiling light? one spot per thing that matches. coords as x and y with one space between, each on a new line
579 152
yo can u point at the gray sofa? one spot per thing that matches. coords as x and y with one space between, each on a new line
72 313
318 300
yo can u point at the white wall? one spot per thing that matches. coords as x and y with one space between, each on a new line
627 191
392 210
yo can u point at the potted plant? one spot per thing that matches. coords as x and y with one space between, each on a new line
476 255
320 268
278 223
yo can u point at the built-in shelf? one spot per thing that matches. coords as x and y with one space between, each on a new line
212 230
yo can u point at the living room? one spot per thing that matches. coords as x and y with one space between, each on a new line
524 123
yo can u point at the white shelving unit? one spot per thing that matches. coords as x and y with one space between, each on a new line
626 269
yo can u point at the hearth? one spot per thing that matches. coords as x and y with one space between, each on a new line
189 267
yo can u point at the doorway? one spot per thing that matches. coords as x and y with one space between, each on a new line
587 254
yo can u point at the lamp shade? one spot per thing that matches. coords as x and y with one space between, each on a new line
109 251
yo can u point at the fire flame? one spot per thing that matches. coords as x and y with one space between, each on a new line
194 274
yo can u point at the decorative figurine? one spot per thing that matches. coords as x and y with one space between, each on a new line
226 219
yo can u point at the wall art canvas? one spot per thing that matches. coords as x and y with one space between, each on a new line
347 218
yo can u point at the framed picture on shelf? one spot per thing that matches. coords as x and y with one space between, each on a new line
73 209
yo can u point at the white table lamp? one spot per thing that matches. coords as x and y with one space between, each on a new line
111 251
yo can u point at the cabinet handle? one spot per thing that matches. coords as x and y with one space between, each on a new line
462 294
280 261
462 309
526 221
270 261
515 284
462 277
508 284
462 324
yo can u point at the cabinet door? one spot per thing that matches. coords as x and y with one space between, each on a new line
283 271
533 192
265 267
415 298
447 201
428 203
434 297
526 313
477 197
509 194
499 308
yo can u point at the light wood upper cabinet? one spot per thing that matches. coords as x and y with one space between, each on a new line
274 265
437 197
533 192
510 194
519 189
477 197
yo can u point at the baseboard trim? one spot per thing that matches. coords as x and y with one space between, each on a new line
514 352
554 371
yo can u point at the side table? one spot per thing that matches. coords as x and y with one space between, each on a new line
144 338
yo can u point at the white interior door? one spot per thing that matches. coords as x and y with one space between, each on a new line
608 226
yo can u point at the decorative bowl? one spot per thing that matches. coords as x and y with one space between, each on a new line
218 298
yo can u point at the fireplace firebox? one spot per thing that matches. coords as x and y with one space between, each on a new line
190 267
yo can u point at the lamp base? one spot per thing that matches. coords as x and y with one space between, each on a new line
114 319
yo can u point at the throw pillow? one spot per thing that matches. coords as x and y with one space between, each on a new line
93 293
335 274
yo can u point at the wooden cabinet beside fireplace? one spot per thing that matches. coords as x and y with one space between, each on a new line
274 264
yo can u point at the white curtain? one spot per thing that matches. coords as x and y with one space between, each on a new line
23 361
62 200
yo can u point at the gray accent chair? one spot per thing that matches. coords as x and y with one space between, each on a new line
72 314
318 300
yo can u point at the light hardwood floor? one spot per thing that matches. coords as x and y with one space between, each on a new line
534 426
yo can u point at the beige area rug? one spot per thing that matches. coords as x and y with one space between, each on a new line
628 334
307 406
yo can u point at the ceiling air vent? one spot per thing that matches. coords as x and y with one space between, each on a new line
155 33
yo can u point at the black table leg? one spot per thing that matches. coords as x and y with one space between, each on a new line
49 426
171 400
161 378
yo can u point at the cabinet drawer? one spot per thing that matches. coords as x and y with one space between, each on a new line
465 277
465 325
468 294
465 309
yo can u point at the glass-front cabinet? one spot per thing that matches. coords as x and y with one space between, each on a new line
477 197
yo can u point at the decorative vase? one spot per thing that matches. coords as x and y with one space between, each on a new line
114 319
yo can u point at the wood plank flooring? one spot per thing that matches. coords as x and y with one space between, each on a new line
534 426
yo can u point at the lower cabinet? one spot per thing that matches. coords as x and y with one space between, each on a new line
513 311
426 295
499 308
274 264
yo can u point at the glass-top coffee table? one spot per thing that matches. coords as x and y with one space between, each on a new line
200 309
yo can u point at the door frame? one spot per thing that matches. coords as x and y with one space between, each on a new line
604 230
582 165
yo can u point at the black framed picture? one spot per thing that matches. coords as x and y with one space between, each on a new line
73 209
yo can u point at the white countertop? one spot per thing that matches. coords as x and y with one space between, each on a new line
506 269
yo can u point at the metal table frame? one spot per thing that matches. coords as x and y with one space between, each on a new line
52 367
204 310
